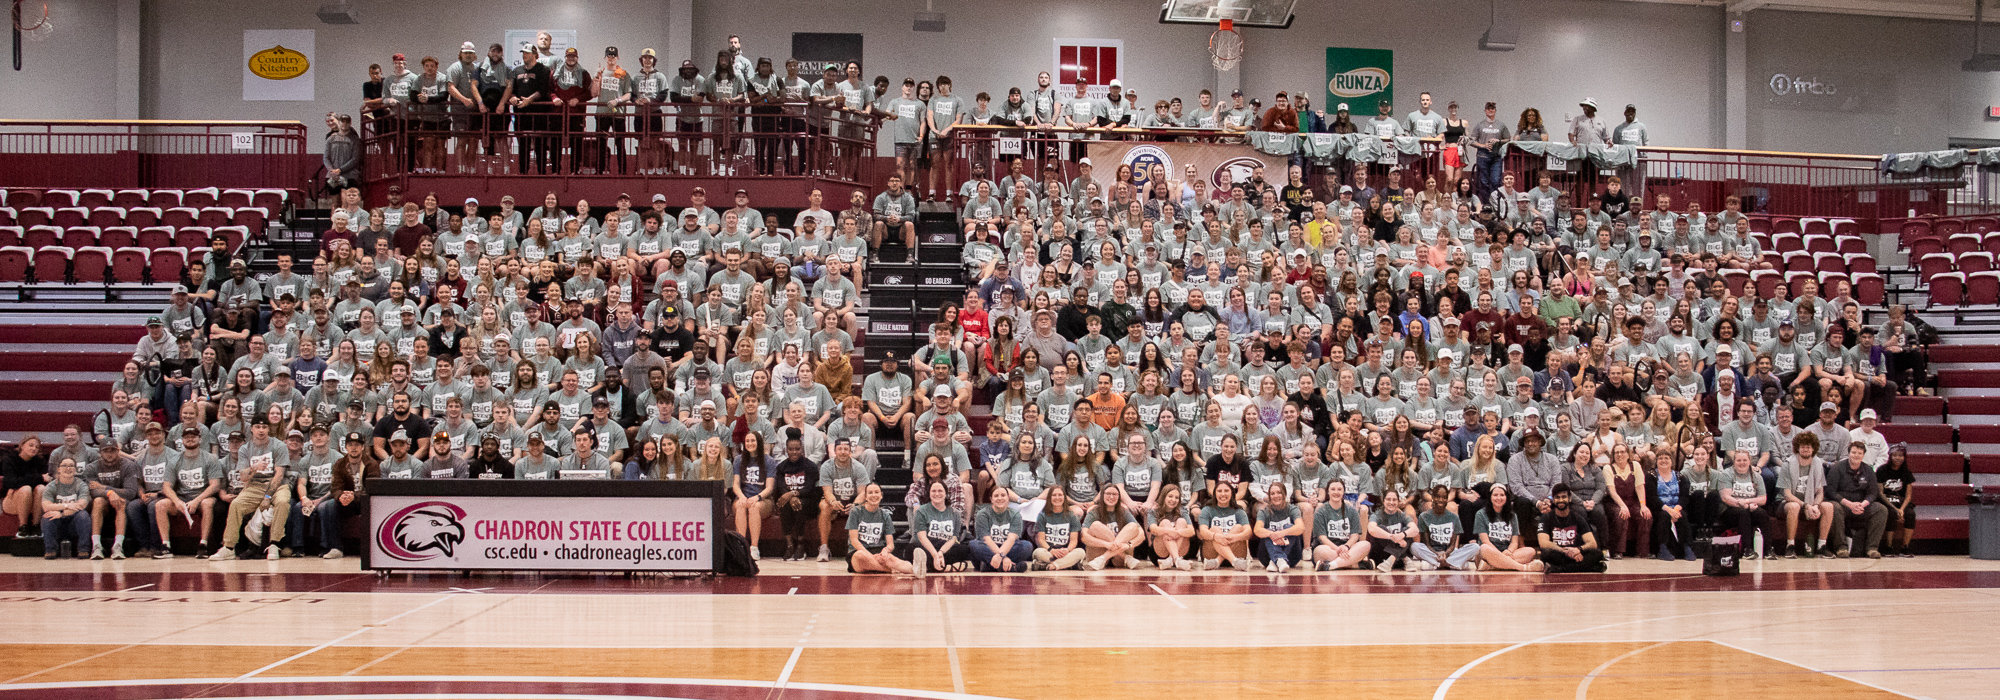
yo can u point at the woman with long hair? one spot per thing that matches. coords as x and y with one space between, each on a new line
1339 539
1058 541
1224 530
1081 472
1169 530
935 471
748 482
938 529
1502 544
871 534
1112 533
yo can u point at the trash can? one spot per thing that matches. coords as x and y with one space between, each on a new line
1984 530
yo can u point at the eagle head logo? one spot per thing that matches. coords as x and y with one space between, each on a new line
423 531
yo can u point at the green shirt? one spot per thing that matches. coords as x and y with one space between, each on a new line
1336 523
1498 533
997 525
873 527
1060 530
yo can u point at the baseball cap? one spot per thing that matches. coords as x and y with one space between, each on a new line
610 50
1825 406
571 51
1116 83
154 321
710 405
1511 349
399 57
657 197
1868 414
941 390
467 47
354 438
526 47
1235 93
600 401
648 53
1590 102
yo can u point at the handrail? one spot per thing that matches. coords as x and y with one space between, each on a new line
158 122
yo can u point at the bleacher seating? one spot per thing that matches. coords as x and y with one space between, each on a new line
102 236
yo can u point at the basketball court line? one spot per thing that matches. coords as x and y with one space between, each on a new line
951 646
1170 599
258 607
1583 686
1814 670
341 638
385 657
785 676
569 680
1444 688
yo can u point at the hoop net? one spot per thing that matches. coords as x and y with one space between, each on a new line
39 29
1225 46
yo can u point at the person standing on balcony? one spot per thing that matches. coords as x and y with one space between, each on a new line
493 77
528 91
611 92
342 157
1631 133
648 90
462 78
430 91
393 120
1588 130
572 93
688 87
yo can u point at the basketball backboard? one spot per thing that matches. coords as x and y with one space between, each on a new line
1276 14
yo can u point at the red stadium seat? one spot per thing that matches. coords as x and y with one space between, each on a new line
128 265
1797 261
164 199
1829 262
1760 225
1815 226
166 264
1982 288
156 237
71 216
1859 262
1821 244
92 199
107 216
117 237
1979 261
1931 265
141 217
10 236
80 236
8 216
51 264
42 237
234 199
1947 289
1949 227
1982 224
1962 243
1772 258
14 264
34 216
1736 280
1795 282
24 198
251 219
1850 244
1925 246
1785 224
91 264
179 217
192 237
126 199
271 201
1869 289
236 235
1787 242
59 198
1843 228
1767 282
204 197
214 216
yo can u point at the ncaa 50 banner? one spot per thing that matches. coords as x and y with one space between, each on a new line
1360 78
541 533
1219 164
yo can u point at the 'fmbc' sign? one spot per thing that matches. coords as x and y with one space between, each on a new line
1359 77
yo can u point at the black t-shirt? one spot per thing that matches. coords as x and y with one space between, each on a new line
1895 483
674 344
796 475
533 79
500 468
1565 531
1221 472
412 426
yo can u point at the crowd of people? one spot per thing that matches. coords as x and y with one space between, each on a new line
1433 376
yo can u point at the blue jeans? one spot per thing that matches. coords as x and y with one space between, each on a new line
1490 170
982 555
75 528
1288 552
139 522
324 523
172 396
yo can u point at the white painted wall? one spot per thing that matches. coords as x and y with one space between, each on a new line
1665 58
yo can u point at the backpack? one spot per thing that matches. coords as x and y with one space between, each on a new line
1724 556
735 560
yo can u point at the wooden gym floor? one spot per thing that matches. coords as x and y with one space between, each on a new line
1812 629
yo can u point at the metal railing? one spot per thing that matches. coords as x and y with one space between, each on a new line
697 139
154 154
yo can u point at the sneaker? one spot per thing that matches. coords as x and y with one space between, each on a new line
1242 564
1284 566
1666 554
1271 567
117 553
919 561
1211 564
825 553
271 552
1826 553
162 554
287 552
332 554
1792 552
1422 565
1874 554
48 555
1905 554
1689 553
1843 553
757 553
1095 564
224 554
1131 562
96 552
1386 565
1037 566
1183 564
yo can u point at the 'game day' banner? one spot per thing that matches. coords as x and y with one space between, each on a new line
493 532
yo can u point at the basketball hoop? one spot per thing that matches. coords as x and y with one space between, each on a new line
39 30
1225 46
